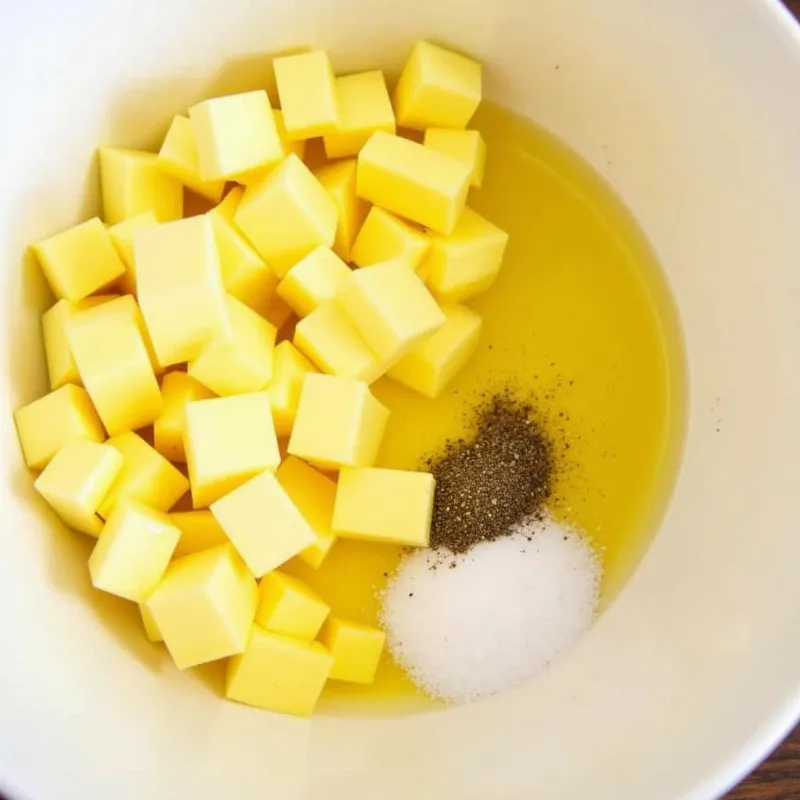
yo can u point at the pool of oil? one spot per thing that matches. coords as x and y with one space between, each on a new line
581 320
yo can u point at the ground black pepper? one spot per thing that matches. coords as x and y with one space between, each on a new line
489 482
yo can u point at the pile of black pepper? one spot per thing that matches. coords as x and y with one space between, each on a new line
487 483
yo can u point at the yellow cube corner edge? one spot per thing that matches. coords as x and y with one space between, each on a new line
356 649
278 673
438 88
384 505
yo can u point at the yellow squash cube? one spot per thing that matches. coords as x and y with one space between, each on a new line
339 180
205 606
180 288
356 649
76 480
385 237
437 89
289 370
390 308
133 182
331 341
307 91
467 262
122 236
339 423
412 180
226 208
296 146
151 630
177 389
466 146
114 365
133 551
245 275
433 363
287 215
199 531
263 523
286 605
313 493
364 107
146 476
313 281
61 365
384 505
234 135
178 157
47 424
228 440
242 363
278 673
79 261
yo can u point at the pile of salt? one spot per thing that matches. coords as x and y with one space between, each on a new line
469 625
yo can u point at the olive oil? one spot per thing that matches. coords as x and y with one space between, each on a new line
580 321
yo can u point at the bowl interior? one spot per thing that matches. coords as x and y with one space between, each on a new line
689 110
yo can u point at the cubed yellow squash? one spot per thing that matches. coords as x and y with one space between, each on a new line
331 341
413 181
385 237
61 367
384 505
133 551
151 630
390 308
287 605
263 523
133 182
356 649
278 673
114 364
314 280
79 261
234 135
364 107
339 181
307 92
146 476
433 363
178 157
287 215
241 363
466 146
177 389
204 606
290 368
437 89
228 440
180 288
245 275
313 494
122 236
339 423
467 262
199 531
76 480
47 424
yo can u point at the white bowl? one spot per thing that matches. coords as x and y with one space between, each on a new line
692 111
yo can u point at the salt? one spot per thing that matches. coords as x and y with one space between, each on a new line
469 625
